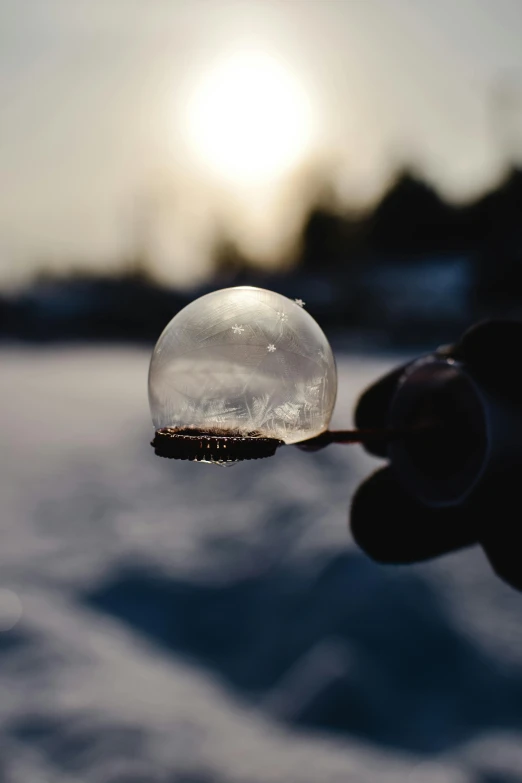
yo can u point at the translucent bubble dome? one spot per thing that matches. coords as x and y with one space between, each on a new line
243 361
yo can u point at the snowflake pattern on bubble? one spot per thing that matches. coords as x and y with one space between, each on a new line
243 360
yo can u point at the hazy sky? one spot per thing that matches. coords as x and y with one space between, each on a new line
96 99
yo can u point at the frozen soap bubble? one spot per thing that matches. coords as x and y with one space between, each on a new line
243 362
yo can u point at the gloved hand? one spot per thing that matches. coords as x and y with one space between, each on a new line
391 526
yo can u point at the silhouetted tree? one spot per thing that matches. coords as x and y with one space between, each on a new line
413 220
499 224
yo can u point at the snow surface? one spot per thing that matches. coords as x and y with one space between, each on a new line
168 622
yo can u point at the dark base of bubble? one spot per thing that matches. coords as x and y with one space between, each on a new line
212 446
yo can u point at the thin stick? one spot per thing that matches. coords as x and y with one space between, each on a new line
350 436
362 436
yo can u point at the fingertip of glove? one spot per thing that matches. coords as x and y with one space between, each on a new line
373 409
392 527
369 517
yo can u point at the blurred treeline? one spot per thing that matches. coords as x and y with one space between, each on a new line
413 270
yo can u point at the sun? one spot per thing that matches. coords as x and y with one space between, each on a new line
249 119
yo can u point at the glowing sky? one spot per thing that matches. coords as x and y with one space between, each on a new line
96 140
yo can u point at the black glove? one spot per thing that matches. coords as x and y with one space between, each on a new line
391 526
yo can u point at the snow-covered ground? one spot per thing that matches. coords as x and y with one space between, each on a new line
164 622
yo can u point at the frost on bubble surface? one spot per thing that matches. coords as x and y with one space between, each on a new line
244 360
